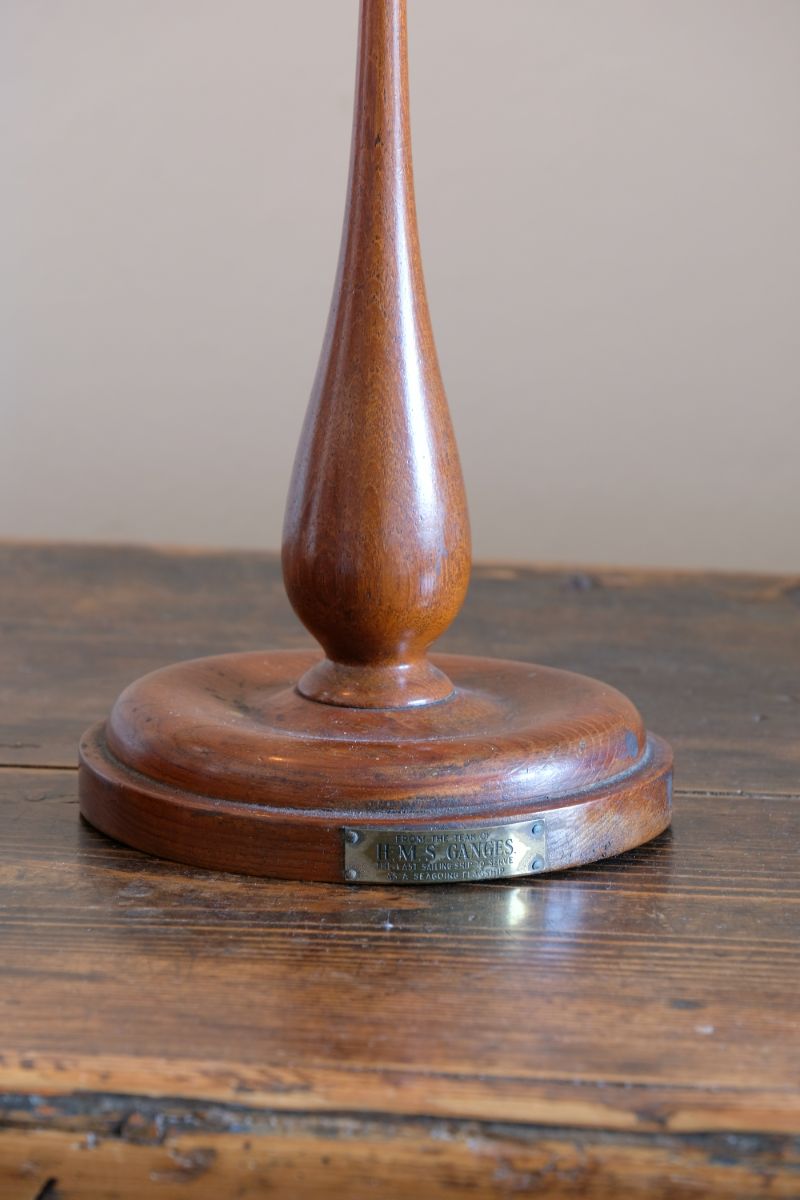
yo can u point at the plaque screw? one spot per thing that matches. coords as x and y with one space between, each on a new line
538 828
537 864
351 873
352 837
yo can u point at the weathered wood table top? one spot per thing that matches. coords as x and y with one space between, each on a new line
629 1029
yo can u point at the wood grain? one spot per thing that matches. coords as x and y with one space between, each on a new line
376 542
131 1153
576 996
629 1029
712 660
221 763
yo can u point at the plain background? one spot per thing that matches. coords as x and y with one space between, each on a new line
609 199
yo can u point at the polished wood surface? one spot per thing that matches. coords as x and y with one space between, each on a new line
376 550
627 1029
275 764
221 763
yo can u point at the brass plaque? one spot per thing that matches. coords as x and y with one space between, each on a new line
444 855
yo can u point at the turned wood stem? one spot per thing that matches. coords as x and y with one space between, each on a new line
376 549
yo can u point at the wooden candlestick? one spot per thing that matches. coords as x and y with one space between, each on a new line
374 762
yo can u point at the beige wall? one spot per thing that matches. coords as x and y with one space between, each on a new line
609 203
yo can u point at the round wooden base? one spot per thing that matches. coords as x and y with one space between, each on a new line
222 763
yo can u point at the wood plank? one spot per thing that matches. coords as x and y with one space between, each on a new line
652 993
713 661
630 1028
127 1150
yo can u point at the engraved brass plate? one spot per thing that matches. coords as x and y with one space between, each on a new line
444 855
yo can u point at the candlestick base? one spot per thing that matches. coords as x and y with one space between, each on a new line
222 763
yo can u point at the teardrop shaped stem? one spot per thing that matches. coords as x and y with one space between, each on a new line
376 550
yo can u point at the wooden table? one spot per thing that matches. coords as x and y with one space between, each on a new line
626 1030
